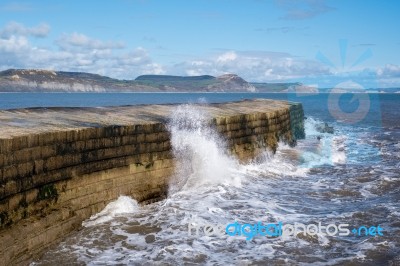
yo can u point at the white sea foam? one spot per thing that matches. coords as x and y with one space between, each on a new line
200 152
339 150
323 148
123 205
276 165
212 187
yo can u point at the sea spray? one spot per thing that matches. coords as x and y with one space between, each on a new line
199 151
321 148
123 205
285 186
317 150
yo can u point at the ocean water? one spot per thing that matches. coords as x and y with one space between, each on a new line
350 177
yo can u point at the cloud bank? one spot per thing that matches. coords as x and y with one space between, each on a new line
254 66
17 29
72 52
79 52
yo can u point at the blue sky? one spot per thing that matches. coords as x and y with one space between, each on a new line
323 43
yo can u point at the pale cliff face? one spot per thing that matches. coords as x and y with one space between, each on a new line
50 86
51 81
44 80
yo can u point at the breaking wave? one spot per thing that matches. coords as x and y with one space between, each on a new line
323 179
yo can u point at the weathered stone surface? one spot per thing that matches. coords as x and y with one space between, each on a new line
58 166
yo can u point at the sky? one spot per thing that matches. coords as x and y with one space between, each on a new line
316 42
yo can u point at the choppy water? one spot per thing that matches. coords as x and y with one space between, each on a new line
350 177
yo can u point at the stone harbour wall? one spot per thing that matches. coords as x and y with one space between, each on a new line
59 166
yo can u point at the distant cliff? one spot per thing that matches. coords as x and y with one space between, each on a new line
35 80
58 81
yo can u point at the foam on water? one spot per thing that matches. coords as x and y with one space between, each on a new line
122 205
199 151
319 180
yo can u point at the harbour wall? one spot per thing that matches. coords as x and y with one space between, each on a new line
59 166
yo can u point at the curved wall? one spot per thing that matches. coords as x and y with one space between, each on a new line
60 166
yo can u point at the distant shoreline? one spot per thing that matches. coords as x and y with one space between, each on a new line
44 81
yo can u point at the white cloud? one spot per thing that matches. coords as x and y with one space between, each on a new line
13 44
154 68
72 52
253 66
81 41
14 28
226 57
388 75
137 57
79 52
389 71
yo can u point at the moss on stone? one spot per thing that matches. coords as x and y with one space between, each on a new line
4 219
22 203
47 192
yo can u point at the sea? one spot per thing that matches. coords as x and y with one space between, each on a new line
333 199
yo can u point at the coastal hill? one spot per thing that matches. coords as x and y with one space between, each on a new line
206 83
37 80
34 80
